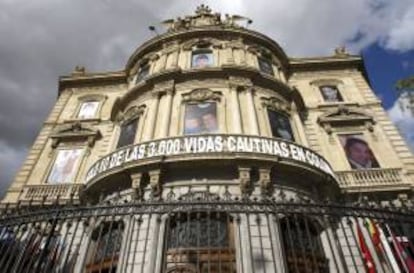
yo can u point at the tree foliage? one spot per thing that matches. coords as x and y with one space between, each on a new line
405 85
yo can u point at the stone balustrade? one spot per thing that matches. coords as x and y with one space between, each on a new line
356 180
50 192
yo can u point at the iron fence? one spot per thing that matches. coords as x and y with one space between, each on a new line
206 233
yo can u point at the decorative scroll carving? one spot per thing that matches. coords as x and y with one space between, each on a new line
244 180
203 18
75 130
345 116
131 113
164 87
202 94
240 82
321 82
265 181
276 104
136 185
155 182
202 43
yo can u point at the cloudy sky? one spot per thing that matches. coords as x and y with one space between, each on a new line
43 39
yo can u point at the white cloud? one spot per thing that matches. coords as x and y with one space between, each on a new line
401 36
402 115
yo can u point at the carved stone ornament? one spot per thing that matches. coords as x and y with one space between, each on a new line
238 82
345 116
202 94
131 113
321 82
76 131
276 104
244 180
202 43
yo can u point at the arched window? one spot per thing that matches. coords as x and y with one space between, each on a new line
103 252
199 242
302 245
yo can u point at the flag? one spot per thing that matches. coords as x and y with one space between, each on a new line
388 250
378 245
406 261
366 255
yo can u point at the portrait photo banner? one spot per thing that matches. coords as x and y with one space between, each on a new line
205 144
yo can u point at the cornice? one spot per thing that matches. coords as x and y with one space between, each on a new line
206 31
84 79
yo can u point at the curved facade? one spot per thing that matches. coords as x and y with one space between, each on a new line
211 111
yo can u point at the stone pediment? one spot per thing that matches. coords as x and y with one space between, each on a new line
75 131
202 94
346 116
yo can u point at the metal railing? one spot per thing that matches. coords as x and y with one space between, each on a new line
207 233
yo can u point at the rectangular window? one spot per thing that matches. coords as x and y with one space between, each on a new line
265 66
358 152
65 166
202 59
280 125
200 118
330 93
88 109
128 131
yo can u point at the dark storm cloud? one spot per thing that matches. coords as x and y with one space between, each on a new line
41 40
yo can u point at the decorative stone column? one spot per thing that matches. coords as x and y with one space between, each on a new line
251 110
152 117
300 130
136 185
168 89
244 180
155 182
235 109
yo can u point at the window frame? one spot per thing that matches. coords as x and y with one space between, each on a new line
333 86
126 123
144 66
288 118
267 60
90 98
199 51
76 167
364 138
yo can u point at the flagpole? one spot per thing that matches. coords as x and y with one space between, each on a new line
388 250
397 249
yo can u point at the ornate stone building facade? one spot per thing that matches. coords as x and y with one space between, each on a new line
183 158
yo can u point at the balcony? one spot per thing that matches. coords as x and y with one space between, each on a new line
39 193
364 180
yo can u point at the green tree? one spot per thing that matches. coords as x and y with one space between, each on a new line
405 85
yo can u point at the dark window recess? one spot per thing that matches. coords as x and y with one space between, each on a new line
107 240
142 72
202 242
265 66
128 131
280 125
303 249
330 93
